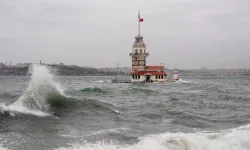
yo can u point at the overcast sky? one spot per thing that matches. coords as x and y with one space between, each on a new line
180 33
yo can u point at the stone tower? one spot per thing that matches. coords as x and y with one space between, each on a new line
139 53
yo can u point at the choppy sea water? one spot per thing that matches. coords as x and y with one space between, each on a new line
86 113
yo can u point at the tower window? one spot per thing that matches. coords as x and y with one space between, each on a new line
136 51
140 50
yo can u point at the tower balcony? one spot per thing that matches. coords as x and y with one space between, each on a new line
138 54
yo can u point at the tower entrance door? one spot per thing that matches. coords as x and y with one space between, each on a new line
147 78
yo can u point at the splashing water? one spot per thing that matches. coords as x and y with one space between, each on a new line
180 80
184 81
234 139
1 148
34 98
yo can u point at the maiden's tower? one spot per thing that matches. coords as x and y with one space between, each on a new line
141 72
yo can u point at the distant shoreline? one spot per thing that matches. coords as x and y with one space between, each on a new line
121 76
73 70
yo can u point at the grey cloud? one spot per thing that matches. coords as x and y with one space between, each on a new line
182 33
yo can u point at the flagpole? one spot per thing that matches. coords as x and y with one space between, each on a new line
139 23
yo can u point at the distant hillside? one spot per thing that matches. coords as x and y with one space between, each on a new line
73 70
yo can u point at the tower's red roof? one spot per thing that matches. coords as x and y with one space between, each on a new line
147 72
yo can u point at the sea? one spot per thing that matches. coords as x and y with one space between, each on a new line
47 112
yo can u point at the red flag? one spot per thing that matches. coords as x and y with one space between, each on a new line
141 19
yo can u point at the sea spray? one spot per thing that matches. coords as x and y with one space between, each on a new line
40 87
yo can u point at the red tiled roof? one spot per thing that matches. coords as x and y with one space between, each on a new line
155 67
147 72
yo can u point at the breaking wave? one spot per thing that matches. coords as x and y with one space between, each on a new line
233 139
38 96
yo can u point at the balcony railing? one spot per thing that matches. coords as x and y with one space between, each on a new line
138 54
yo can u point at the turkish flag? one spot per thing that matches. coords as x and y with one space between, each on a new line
141 19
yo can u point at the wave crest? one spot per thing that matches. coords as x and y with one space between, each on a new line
234 139
35 98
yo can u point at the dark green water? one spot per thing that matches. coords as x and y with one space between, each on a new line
47 112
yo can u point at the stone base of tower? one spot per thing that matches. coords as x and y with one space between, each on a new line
150 74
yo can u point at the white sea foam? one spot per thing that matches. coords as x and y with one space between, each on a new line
164 121
116 130
233 139
2 148
13 110
2 140
103 81
184 81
